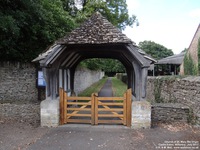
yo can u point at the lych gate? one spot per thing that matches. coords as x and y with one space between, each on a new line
95 38
95 110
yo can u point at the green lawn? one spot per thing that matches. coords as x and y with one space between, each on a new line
94 88
119 87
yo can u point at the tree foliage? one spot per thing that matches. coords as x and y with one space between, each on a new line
189 66
114 10
27 27
107 65
185 50
157 51
198 51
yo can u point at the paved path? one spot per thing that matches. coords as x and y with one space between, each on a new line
106 90
87 137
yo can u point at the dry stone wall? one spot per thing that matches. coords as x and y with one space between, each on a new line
17 82
27 113
185 91
169 113
19 95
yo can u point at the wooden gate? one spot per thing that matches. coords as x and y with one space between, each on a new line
95 110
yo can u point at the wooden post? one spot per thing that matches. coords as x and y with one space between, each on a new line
61 106
93 109
96 109
65 107
124 109
129 105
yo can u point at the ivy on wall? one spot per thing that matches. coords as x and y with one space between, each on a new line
157 90
198 51
189 66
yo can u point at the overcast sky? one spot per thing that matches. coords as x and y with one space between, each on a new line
171 23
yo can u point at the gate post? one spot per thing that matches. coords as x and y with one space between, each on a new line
125 108
65 108
61 94
96 109
129 106
93 108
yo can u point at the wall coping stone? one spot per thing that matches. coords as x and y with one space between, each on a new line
170 105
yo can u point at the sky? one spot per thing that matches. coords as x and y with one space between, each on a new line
171 23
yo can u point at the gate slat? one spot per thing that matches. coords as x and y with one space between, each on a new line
79 121
78 115
111 121
110 115
78 103
111 109
75 112
110 98
111 104
78 98
80 109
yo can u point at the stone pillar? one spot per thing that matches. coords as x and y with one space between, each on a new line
49 112
141 114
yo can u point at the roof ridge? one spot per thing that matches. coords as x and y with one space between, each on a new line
95 30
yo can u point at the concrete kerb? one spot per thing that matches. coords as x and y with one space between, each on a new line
94 126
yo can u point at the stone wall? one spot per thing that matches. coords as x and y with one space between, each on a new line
85 77
28 113
192 50
185 91
17 82
169 113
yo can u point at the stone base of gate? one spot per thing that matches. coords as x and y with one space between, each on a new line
141 114
49 113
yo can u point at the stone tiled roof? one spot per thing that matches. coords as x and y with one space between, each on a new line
175 59
96 30
48 52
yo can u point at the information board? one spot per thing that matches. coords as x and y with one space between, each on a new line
41 81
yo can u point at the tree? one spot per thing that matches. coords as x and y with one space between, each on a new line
27 27
114 10
190 68
157 51
107 65
185 50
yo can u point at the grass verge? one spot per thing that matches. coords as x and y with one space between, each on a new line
118 87
94 88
